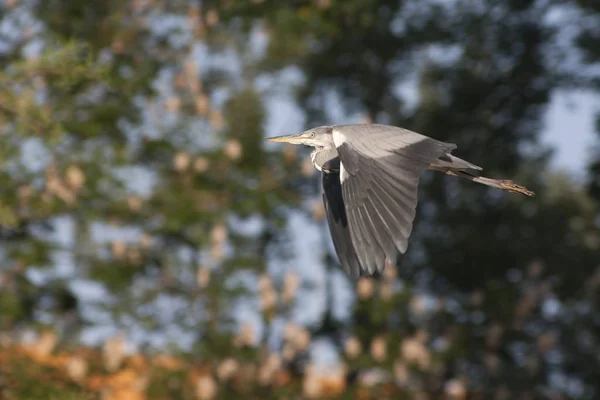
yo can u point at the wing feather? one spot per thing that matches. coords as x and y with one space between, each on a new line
360 241
379 230
393 225
380 191
377 257
400 214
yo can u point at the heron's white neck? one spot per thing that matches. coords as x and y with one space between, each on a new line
313 158
321 155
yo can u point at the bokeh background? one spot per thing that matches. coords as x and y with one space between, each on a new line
154 246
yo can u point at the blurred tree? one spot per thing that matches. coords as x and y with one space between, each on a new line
588 41
486 73
125 172
133 167
483 84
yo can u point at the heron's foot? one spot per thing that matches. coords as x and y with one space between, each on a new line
513 187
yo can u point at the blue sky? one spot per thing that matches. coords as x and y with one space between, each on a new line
570 130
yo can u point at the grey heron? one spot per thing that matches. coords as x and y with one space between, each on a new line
370 177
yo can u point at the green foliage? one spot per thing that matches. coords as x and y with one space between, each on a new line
132 154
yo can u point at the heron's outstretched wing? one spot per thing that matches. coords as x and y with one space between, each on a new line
379 173
337 220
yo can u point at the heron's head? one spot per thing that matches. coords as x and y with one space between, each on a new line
316 137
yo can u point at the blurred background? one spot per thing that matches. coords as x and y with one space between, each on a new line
153 246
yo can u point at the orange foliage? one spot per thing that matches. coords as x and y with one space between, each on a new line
86 370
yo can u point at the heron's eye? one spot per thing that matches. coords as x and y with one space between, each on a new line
312 134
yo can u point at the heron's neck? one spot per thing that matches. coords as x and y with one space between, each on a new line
313 157
320 155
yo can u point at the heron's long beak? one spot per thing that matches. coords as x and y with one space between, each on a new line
293 139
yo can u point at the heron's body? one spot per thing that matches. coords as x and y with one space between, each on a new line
370 176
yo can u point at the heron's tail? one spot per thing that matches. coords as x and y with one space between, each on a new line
453 165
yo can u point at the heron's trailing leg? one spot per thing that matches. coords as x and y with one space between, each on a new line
496 183
453 165
503 184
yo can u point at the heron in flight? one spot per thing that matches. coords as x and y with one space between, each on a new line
370 176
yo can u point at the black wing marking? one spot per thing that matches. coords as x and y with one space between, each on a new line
337 220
